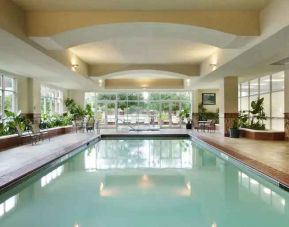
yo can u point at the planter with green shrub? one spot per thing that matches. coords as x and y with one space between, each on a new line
235 130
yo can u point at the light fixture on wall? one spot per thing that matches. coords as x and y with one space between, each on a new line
214 66
74 67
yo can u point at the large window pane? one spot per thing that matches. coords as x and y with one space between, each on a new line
266 104
278 124
278 81
271 88
244 104
265 84
278 104
140 108
51 100
245 89
9 101
254 87
9 84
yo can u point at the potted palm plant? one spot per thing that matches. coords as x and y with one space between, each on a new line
235 131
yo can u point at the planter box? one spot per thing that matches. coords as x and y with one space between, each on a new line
262 134
14 140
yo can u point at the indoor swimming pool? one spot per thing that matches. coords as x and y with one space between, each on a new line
145 182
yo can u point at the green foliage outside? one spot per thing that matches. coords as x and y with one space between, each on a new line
11 120
77 111
254 118
55 120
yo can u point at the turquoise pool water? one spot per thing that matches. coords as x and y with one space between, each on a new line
145 183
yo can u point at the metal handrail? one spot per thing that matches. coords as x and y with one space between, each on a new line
126 124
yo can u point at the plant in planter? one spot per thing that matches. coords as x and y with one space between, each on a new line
235 131
258 115
185 113
254 118
202 112
14 120
243 119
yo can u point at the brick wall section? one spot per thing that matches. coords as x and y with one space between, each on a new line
14 140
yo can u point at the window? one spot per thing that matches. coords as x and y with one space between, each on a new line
7 94
51 100
139 108
271 88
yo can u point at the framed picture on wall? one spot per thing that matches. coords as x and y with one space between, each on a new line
209 98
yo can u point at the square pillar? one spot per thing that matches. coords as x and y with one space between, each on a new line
286 104
195 114
34 100
229 103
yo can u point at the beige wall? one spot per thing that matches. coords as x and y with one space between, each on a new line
144 83
229 95
210 108
12 18
34 94
23 94
77 95
47 23
68 59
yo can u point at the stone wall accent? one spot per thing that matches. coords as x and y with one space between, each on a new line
33 117
14 140
286 125
226 121
262 134
195 117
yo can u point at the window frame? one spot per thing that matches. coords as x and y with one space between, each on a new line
14 104
53 94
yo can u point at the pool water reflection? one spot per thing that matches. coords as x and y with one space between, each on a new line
145 182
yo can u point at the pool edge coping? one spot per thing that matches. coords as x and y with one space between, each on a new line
30 169
259 168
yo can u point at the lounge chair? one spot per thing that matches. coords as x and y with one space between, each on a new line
78 125
23 135
36 130
196 126
211 127
90 124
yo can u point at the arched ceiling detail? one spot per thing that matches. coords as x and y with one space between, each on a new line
142 74
100 33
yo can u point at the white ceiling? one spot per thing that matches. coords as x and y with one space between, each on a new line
138 50
142 43
142 4
20 58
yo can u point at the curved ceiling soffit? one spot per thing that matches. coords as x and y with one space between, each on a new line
100 33
141 74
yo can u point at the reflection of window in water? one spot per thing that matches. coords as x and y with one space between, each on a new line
90 159
110 154
48 178
266 194
8 205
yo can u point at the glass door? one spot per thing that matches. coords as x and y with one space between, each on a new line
175 114
165 115
111 114
101 114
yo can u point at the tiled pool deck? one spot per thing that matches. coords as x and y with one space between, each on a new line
268 157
